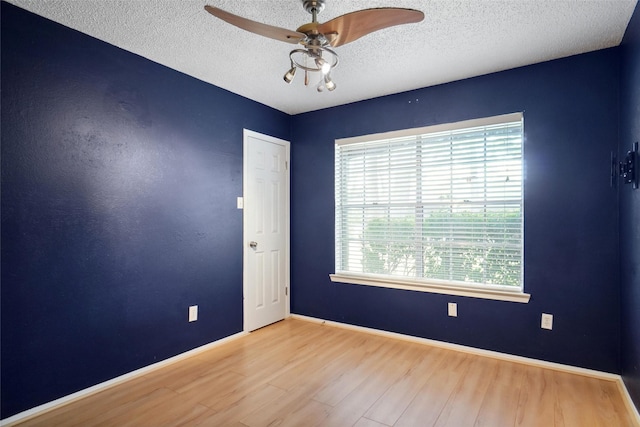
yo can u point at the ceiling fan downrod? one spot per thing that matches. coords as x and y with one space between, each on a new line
314 7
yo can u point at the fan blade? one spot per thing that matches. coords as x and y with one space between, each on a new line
352 26
270 31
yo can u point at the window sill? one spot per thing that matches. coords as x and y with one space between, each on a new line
433 288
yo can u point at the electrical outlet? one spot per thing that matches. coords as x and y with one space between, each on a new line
193 313
453 309
547 321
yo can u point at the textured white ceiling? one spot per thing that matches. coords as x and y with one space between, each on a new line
458 39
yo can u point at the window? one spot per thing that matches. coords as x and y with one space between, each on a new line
437 208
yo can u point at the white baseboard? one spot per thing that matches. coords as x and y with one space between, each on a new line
488 353
39 410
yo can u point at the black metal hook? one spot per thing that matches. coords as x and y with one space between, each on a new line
627 168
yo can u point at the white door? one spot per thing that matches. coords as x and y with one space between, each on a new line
265 229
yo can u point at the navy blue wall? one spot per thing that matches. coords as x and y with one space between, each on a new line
630 211
119 179
571 245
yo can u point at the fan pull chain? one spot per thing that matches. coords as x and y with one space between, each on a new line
306 73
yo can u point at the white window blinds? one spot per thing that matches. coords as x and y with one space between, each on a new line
439 205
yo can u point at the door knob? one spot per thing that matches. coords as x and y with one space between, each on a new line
253 244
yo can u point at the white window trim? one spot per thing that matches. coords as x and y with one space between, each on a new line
431 286
465 291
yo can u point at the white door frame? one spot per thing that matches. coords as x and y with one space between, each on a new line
245 243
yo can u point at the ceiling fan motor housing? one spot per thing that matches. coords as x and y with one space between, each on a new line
311 5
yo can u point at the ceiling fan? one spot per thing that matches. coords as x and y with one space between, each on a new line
319 39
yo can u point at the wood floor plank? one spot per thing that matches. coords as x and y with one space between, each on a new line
537 401
570 406
208 389
302 373
425 408
268 362
390 406
468 394
120 414
295 407
175 375
355 372
365 422
302 390
325 359
375 382
265 349
260 397
175 413
500 402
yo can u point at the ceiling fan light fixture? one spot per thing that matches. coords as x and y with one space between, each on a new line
331 86
323 65
288 77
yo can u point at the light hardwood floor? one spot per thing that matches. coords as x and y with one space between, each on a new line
302 373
